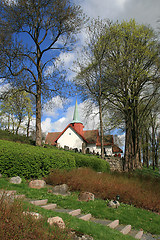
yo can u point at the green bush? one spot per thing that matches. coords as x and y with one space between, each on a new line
93 162
30 161
7 135
34 162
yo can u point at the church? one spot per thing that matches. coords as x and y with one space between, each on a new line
86 141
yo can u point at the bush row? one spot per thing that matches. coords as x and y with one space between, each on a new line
34 162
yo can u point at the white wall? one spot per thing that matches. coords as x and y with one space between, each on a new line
71 139
97 149
108 150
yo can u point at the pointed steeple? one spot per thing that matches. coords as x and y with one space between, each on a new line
76 115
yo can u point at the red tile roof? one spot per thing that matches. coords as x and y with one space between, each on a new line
116 149
51 137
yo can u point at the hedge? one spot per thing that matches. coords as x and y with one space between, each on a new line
29 161
93 162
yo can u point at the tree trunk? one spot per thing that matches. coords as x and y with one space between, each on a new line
18 126
28 125
100 112
128 146
101 130
153 148
38 117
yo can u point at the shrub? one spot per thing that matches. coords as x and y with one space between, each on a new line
132 190
30 161
93 162
15 225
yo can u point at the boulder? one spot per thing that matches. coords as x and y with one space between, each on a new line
37 184
15 180
57 221
86 196
61 190
114 204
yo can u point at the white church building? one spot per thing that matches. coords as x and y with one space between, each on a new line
74 137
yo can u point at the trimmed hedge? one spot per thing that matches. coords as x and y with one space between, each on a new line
93 162
31 161
34 162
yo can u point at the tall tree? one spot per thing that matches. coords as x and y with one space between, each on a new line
91 70
41 30
131 67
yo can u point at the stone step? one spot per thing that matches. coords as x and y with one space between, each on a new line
113 224
49 206
139 235
75 212
126 229
136 234
86 217
101 221
20 196
39 202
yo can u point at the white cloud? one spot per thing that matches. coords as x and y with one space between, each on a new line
144 11
47 125
52 106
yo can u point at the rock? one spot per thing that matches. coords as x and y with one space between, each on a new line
56 220
80 236
33 214
61 190
86 196
15 180
37 184
114 204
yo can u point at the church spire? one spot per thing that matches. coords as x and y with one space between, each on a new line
76 115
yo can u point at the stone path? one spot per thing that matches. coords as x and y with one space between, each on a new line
124 229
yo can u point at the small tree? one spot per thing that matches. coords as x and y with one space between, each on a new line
16 106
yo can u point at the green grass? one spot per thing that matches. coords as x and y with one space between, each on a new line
127 214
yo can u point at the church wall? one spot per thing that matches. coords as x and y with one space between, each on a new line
71 139
97 149
108 150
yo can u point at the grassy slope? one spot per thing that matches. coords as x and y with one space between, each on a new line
138 218
98 231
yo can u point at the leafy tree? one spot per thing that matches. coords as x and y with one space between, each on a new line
130 68
16 106
41 30
91 71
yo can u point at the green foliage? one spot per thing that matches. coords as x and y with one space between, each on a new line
30 161
33 162
7 135
93 162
